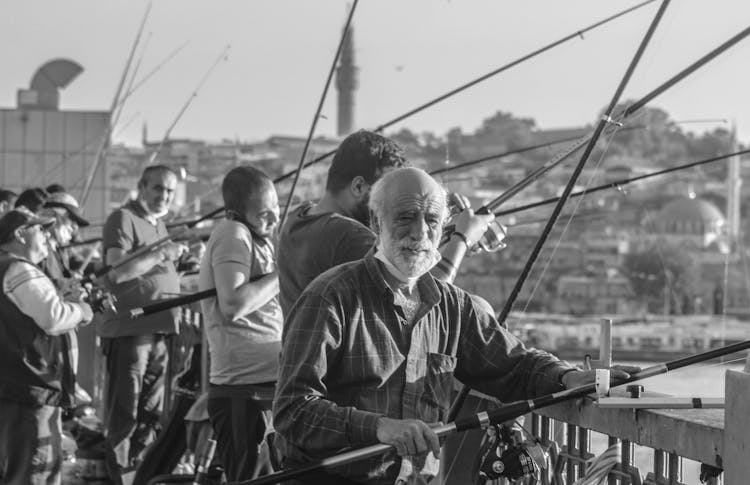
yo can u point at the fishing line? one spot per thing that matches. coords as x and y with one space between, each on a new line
120 106
110 126
545 267
462 442
316 117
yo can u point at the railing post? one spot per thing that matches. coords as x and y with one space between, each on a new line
583 450
736 425
605 343
546 436
659 465
675 469
570 469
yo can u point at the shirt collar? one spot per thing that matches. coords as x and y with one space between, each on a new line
136 206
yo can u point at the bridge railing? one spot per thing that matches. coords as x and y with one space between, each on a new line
658 446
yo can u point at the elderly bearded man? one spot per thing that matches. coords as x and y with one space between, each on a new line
370 349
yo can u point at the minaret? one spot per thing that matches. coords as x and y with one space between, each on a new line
346 84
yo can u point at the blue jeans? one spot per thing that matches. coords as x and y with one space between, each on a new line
136 368
30 444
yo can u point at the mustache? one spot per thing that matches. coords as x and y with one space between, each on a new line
415 246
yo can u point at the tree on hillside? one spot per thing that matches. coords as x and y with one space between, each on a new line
503 127
665 277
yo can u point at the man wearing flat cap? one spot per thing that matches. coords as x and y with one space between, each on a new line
36 365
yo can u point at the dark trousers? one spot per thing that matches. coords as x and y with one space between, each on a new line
239 425
136 368
30 444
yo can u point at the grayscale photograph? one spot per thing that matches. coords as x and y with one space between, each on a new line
381 242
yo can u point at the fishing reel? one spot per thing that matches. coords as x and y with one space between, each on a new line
494 236
99 300
505 454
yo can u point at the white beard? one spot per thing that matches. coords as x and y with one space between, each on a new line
406 270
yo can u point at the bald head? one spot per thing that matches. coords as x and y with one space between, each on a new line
405 186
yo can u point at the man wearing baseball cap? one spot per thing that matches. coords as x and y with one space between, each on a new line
64 209
36 366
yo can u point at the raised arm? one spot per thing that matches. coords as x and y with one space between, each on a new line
119 242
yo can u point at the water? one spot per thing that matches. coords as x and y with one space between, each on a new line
706 380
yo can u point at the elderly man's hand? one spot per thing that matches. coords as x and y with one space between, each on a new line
409 436
578 378
472 225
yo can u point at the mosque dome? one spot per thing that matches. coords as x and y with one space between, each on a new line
687 209
690 216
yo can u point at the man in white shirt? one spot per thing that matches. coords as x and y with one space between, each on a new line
37 375
243 321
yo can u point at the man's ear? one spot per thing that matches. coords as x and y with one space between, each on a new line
18 233
359 187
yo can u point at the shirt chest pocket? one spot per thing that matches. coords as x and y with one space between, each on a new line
438 380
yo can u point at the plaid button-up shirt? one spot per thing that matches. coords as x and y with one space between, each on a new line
349 357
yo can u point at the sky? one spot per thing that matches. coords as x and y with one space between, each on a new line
408 52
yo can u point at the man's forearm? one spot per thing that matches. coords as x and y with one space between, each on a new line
138 267
250 296
452 254
319 426
35 295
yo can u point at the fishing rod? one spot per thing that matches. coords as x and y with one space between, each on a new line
626 113
131 90
149 247
505 413
516 151
145 249
577 34
590 142
336 57
483 159
619 183
503 197
64 158
120 103
171 303
187 299
179 301
222 57
120 106
110 126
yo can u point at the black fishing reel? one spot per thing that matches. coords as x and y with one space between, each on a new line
505 454
101 301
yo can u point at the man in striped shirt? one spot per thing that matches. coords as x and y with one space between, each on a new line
371 347
36 362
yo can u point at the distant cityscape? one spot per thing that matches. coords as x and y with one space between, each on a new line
668 245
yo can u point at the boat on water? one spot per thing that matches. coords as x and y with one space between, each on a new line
650 338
